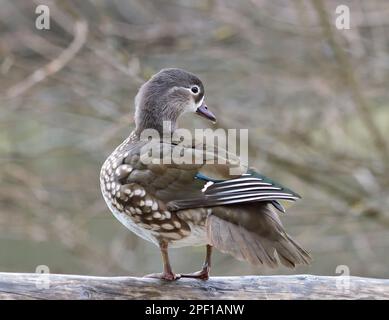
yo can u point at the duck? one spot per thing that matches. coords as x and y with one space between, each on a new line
216 204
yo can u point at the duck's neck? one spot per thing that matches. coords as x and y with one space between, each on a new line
163 126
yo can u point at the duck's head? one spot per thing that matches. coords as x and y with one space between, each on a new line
166 96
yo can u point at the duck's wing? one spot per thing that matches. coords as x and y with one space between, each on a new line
191 177
169 171
249 187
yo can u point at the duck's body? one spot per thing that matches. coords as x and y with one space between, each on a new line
177 205
131 191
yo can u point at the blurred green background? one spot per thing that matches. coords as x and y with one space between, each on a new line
314 98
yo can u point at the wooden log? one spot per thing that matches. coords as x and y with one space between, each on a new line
56 286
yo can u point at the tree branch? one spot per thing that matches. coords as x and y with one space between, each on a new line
55 286
80 35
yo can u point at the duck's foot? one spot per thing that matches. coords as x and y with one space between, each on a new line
168 276
203 274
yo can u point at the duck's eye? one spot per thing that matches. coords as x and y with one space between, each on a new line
195 89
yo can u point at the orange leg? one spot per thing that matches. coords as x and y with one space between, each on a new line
167 273
203 274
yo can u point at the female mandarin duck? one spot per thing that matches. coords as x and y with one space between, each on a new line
176 205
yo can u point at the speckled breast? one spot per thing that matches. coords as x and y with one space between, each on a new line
135 206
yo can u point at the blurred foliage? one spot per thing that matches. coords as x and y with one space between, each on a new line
314 98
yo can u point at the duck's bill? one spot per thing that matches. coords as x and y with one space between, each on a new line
205 112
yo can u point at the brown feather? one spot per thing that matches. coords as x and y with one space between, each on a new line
253 232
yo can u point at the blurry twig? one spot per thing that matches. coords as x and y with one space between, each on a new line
80 35
131 70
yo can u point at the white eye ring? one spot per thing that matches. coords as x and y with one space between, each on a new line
195 89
